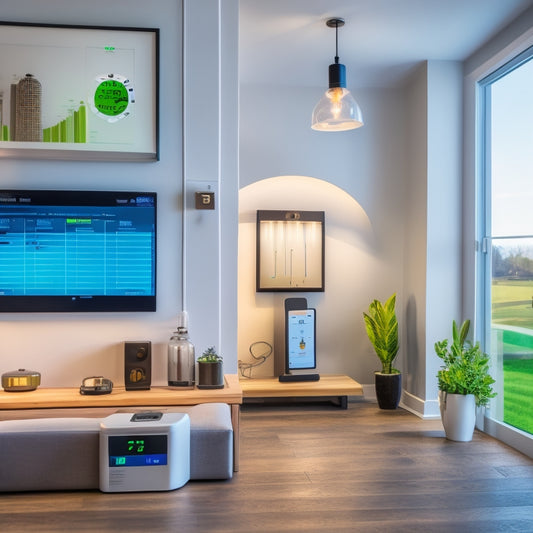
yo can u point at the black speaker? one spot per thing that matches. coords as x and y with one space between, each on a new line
137 365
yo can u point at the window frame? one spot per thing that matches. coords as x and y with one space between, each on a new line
483 270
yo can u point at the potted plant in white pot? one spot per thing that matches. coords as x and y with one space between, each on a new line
210 370
382 330
464 383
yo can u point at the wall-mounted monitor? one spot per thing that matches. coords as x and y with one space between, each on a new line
77 251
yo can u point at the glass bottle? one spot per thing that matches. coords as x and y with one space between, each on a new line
181 360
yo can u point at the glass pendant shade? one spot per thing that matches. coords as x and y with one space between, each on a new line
337 110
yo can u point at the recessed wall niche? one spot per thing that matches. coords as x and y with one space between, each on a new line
353 272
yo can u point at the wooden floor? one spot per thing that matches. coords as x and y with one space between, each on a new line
311 468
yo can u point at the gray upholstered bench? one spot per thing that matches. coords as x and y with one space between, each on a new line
63 453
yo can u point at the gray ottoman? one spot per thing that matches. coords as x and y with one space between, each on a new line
63 453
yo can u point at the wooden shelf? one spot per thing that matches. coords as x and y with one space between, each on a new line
328 386
43 398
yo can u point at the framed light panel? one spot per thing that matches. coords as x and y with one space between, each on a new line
290 251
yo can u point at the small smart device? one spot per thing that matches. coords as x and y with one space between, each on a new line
96 385
301 339
21 380
147 451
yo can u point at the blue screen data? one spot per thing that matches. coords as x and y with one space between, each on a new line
82 251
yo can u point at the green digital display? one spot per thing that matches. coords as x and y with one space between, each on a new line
136 446
133 450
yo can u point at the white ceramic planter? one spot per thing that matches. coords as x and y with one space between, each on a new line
458 412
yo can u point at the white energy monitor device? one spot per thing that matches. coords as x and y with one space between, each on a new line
147 451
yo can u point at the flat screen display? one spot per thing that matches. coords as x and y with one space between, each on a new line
138 450
76 251
301 337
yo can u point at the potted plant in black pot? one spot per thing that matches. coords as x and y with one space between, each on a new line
210 370
382 330
464 383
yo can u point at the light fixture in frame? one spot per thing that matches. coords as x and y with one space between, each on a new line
290 249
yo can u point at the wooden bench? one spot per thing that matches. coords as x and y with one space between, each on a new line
338 387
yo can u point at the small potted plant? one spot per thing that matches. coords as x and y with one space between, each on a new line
382 330
464 383
210 371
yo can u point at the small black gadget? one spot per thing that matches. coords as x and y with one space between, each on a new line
96 385
137 365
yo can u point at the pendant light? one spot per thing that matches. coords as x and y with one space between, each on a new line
337 110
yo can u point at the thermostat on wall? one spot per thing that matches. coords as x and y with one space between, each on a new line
146 451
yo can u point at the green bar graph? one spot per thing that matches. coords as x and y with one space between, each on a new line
72 129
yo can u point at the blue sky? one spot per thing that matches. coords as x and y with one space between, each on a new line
512 153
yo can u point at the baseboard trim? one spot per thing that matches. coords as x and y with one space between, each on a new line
369 391
425 409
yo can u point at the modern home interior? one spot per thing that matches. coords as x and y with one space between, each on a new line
404 199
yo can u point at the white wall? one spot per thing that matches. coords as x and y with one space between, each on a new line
367 166
433 258
66 347
416 98
444 225
210 163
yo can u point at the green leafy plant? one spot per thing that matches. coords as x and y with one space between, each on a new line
466 367
210 356
382 330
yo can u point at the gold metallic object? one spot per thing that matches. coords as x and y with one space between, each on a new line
21 380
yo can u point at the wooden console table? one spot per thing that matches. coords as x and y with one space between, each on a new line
40 402
335 386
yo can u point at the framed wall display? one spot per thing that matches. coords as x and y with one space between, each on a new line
79 92
290 251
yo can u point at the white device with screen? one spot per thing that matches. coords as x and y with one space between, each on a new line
301 339
144 451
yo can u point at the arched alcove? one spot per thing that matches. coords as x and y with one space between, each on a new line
350 268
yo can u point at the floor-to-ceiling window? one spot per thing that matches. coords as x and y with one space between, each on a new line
506 187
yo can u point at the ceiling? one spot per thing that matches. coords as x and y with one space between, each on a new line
287 42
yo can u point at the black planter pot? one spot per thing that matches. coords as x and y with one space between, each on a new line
210 376
388 390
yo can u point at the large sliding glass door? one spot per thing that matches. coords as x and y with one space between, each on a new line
507 223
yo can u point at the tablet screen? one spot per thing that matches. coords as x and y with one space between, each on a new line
301 351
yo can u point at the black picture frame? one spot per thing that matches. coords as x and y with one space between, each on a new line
290 251
74 92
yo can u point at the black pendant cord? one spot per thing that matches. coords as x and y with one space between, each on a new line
337 76
336 41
